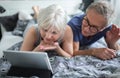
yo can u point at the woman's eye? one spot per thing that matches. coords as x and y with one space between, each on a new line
54 32
45 30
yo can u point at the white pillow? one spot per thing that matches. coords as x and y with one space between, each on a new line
99 44
7 41
24 16
30 24
3 30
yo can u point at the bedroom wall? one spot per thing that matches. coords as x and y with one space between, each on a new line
116 4
12 6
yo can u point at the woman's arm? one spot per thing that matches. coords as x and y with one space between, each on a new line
29 40
81 52
67 44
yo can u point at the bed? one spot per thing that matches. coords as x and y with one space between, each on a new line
75 67
78 66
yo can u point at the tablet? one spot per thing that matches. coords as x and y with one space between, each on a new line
28 59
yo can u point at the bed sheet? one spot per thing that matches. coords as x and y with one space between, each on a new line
78 66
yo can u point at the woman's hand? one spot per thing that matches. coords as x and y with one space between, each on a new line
43 46
104 53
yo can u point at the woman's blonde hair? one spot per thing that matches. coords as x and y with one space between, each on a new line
53 16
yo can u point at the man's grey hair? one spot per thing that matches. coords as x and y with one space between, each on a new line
104 8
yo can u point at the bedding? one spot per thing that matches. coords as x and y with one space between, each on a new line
78 66
9 22
13 29
85 67
21 26
75 67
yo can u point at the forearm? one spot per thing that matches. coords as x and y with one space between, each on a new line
63 53
90 52
37 49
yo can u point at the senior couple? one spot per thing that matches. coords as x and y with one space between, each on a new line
67 38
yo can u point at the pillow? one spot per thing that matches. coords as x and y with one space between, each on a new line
7 41
21 25
0 34
23 15
99 44
16 46
9 22
30 24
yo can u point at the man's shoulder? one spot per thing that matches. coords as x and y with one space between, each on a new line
79 15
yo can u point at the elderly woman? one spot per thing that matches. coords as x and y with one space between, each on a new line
51 33
90 27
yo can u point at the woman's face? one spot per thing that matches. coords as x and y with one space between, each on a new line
93 23
50 35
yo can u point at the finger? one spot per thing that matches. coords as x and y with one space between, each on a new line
108 33
107 56
113 27
56 43
111 54
41 47
119 32
116 29
49 48
103 56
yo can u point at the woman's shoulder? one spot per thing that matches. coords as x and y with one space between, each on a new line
32 31
68 31
28 28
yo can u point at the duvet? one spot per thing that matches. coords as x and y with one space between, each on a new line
76 67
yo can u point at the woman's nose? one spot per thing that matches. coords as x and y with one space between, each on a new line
48 35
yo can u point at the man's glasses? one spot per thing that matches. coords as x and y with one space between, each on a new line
92 28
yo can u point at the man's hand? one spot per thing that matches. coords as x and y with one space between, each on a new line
104 53
113 35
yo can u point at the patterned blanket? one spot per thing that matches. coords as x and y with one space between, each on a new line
77 67
85 67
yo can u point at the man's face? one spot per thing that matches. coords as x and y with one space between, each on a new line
93 23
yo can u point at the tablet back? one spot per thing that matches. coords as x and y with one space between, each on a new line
28 59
